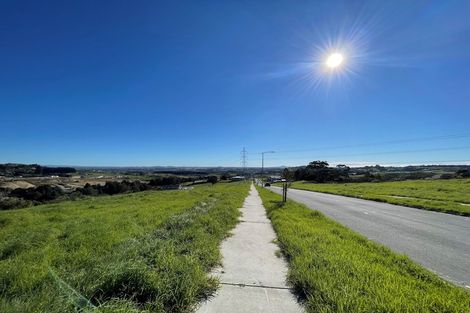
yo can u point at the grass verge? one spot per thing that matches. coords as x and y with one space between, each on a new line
333 269
448 196
142 252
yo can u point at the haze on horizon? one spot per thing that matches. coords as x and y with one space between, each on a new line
192 83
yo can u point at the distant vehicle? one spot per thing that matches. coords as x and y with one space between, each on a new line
267 185
274 179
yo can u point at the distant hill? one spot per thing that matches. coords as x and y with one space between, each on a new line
29 170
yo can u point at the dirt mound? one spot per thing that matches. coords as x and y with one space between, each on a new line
16 184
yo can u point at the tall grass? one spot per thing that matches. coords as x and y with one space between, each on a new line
334 269
449 196
142 252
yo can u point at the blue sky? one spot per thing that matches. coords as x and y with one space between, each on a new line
193 82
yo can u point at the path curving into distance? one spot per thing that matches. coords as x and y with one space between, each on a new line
253 278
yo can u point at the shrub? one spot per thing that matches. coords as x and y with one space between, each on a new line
212 179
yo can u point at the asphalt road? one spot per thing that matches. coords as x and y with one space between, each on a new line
438 241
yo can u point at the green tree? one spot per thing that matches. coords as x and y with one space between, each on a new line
287 174
316 165
212 179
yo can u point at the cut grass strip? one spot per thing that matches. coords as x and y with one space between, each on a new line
333 269
447 196
142 252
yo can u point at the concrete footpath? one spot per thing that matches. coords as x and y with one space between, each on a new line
252 277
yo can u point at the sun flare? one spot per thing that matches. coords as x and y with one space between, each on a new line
334 60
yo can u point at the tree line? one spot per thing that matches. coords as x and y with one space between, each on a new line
321 172
24 197
14 170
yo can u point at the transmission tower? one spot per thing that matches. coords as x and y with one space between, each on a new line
243 159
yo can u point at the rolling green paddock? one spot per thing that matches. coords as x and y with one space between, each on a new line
449 196
140 252
333 269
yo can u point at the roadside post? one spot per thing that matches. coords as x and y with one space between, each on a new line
284 190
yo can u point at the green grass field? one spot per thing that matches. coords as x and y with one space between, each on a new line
449 196
333 269
142 252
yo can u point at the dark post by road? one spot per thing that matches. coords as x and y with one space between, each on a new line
284 191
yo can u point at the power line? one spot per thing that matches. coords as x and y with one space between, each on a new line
378 143
378 153
409 162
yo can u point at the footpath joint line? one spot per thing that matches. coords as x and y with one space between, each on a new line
255 286
257 222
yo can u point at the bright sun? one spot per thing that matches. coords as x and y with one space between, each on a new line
334 60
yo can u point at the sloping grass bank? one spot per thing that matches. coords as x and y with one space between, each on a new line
334 269
142 252
448 196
